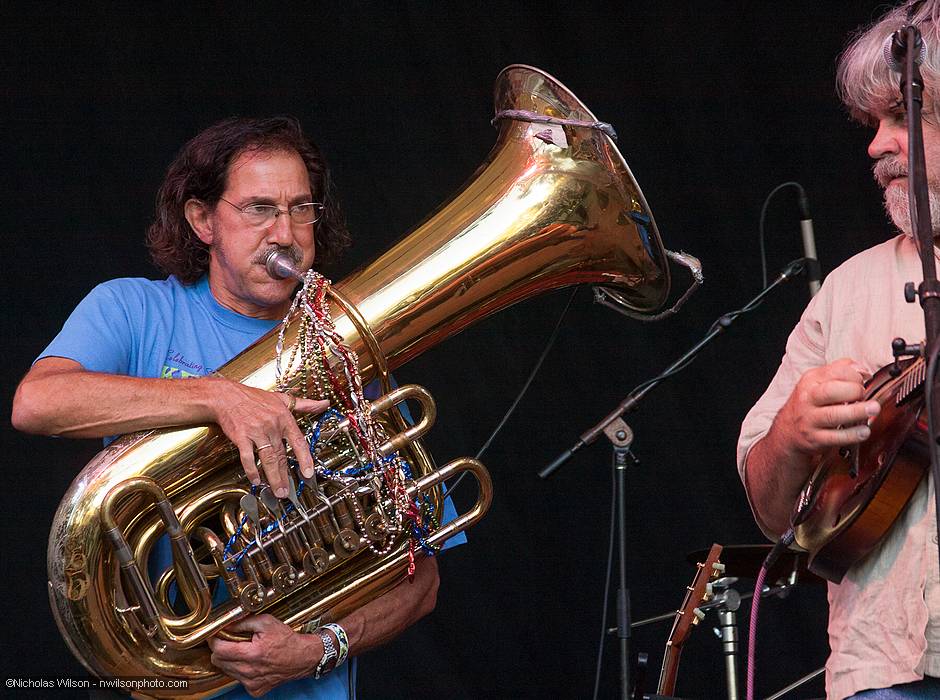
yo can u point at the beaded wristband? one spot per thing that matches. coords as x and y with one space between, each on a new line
343 641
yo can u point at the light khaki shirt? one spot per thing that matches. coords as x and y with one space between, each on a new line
884 618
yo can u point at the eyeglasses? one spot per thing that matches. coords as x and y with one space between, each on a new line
263 215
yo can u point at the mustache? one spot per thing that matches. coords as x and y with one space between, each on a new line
293 251
887 169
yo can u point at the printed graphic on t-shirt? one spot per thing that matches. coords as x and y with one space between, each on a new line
177 366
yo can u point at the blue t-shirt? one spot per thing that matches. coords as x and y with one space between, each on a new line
144 328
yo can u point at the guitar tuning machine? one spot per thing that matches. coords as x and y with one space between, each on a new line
900 349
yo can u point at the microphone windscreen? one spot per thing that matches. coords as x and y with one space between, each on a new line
895 61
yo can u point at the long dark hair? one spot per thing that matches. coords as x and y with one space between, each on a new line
200 171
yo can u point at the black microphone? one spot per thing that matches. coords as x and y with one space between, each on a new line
895 49
813 271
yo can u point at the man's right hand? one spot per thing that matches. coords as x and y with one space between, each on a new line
60 397
260 421
827 408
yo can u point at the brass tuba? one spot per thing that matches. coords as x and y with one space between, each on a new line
554 204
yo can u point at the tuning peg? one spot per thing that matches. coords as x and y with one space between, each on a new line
699 616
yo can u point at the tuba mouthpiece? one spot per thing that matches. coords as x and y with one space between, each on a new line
280 266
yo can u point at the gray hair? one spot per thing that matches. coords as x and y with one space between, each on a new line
866 85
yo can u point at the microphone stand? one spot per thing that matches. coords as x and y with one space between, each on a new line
907 42
621 438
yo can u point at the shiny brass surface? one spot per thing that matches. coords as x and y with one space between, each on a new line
535 216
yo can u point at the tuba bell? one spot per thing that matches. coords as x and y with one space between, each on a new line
554 204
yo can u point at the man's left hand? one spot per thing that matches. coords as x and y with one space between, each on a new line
276 654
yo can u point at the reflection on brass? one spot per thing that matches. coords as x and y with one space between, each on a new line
346 543
316 561
76 585
376 528
76 576
539 214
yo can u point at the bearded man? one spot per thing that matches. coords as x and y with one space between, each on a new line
884 617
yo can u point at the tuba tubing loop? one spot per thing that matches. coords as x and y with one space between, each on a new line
192 583
199 634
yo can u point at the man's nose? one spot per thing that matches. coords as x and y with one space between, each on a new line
280 231
889 140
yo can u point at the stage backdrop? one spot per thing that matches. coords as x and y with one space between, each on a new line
715 104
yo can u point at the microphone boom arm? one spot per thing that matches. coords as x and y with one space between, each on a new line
633 398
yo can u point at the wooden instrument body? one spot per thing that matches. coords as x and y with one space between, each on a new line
857 493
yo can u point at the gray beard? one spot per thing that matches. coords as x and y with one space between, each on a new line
896 205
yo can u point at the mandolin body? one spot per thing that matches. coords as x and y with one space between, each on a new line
857 493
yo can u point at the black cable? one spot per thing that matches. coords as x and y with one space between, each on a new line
528 382
525 387
763 216
931 432
928 396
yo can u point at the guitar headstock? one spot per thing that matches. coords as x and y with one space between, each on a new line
697 593
688 616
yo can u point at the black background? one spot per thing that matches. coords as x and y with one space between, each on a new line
715 104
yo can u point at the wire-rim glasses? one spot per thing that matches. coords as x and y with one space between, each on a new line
264 215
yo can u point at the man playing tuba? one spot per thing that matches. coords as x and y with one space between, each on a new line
236 192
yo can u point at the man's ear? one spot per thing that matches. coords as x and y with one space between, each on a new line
197 214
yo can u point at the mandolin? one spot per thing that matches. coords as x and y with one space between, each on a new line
856 493
687 617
